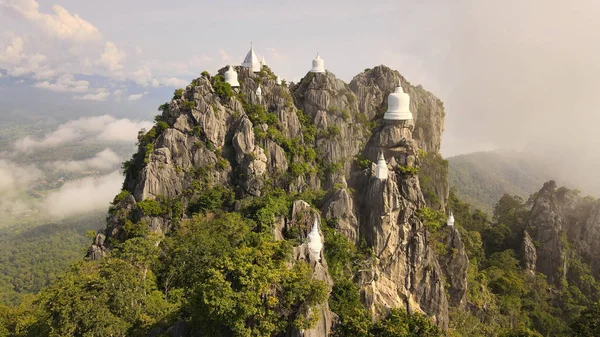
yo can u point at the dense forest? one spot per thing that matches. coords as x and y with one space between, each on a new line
192 273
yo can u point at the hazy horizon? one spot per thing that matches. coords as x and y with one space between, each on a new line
512 75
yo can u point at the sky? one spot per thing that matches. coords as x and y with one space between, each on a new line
512 74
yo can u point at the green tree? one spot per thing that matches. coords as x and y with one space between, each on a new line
588 323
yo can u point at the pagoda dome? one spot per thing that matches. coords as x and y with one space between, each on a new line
251 61
318 65
381 170
450 221
315 242
258 91
231 77
263 63
398 106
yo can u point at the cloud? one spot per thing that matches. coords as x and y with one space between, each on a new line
136 97
11 52
142 76
64 83
15 181
83 195
112 57
104 160
16 177
99 128
173 82
60 24
100 95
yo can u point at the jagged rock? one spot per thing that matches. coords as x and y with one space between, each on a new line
589 237
529 254
372 88
276 155
546 224
454 264
303 218
339 206
98 250
250 157
333 108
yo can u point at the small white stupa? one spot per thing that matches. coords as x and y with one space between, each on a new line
278 80
263 63
398 106
381 171
318 65
251 60
450 221
315 242
259 92
231 77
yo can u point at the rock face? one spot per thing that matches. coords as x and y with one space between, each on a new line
405 271
333 108
546 222
301 139
454 264
303 218
529 254
372 88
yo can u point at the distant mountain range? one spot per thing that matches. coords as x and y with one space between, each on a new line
481 178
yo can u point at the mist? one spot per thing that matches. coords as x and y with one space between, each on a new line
32 186
522 75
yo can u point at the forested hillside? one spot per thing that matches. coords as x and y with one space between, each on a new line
481 178
33 255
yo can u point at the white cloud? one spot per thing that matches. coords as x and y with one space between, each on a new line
112 57
173 82
104 160
16 177
136 97
84 195
100 128
64 83
61 23
100 95
11 50
13 185
141 76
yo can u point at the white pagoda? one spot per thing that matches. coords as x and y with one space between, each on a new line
315 242
263 63
231 77
318 65
251 61
398 106
381 170
259 92
450 221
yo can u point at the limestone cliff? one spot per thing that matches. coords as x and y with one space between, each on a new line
561 223
302 138
372 88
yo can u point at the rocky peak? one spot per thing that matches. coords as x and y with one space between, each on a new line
372 88
546 223
239 145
